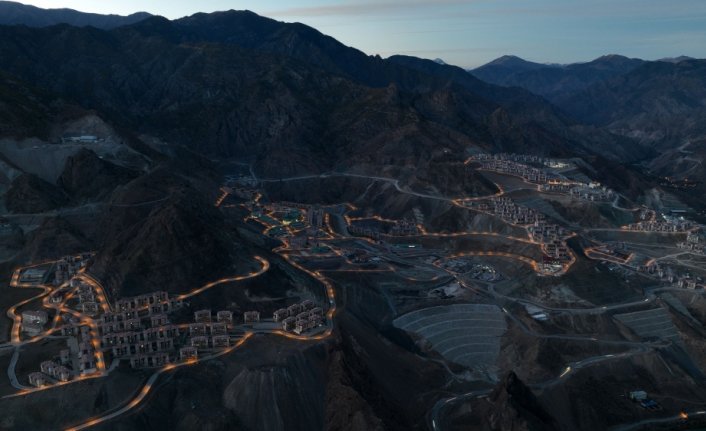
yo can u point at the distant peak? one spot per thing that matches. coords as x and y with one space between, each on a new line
678 59
440 61
508 59
613 58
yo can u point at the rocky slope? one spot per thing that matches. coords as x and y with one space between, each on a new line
86 176
30 194
516 408
161 231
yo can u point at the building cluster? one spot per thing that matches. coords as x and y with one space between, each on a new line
666 274
695 242
365 230
33 321
50 373
150 303
593 192
516 164
667 224
543 232
510 212
33 276
300 317
87 297
558 186
404 228
87 345
138 329
69 266
557 251
315 217
551 237
512 157
372 229
528 173
144 335
78 358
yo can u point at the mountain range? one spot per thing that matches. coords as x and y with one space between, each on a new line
661 104
13 13
234 83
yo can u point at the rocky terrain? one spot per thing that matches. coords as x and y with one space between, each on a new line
31 194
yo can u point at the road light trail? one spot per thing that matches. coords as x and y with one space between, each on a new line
147 388
265 265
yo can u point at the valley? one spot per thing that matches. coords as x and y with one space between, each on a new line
224 221
416 266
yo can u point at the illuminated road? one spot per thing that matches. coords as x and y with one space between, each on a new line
265 265
671 419
149 384
575 366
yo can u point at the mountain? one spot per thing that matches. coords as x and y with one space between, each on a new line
676 59
552 81
31 194
87 176
662 104
12 13
511 406
656 101
659 104
530 111
23 110
502 70
234 83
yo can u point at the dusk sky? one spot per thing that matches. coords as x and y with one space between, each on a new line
471 32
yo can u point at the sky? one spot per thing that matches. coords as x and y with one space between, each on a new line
469 33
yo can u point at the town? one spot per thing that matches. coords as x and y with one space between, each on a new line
157 332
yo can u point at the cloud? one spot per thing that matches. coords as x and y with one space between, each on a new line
363 8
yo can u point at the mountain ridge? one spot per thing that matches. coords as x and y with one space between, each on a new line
13 13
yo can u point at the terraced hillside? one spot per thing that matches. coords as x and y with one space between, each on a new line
467 334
